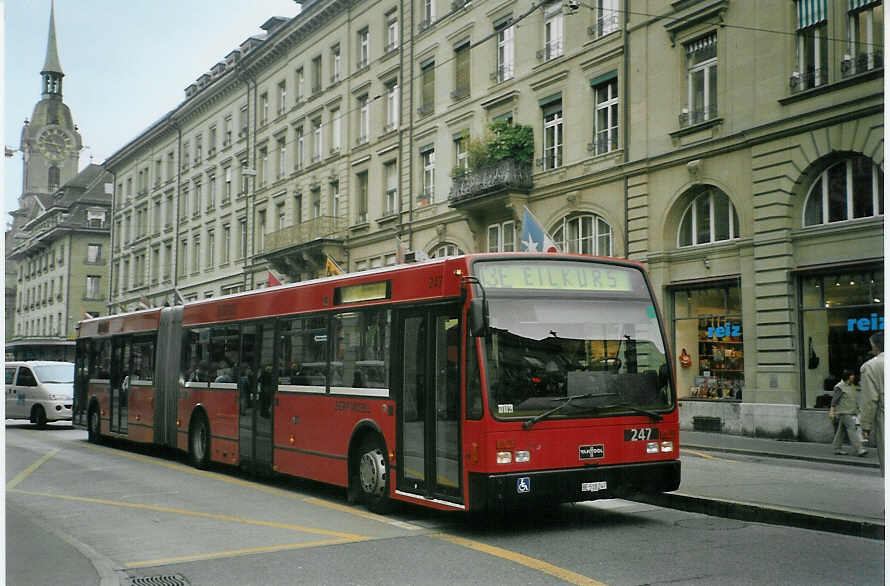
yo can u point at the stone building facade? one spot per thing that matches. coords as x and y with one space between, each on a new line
736 149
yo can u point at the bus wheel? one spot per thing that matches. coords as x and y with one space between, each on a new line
373 475
38 416
199 443
94 426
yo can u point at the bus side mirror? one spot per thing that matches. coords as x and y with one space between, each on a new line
478 317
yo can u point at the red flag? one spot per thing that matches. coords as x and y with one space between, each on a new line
272 281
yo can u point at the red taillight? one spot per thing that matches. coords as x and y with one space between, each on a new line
536 380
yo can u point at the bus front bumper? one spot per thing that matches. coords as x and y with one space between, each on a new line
572 484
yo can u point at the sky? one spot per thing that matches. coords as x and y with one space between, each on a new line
126 63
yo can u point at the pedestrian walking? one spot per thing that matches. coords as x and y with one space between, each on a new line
844 412
871 375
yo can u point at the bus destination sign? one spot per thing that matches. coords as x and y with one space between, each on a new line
568 276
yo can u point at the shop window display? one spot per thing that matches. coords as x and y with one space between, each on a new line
709 338
839 310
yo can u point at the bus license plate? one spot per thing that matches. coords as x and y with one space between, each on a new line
638 434
593 486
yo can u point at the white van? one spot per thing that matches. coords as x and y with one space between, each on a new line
39 390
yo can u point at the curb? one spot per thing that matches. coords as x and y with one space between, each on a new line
758 513
851 461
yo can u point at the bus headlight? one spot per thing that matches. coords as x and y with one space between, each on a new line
651 447
667 446
523 456
504 457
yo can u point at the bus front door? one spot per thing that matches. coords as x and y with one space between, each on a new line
429 411
256 390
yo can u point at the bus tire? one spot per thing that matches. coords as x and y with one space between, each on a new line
38 416
94 426
199 442
373 475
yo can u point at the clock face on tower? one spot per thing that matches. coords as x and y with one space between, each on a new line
55 143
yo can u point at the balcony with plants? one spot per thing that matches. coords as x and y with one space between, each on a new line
499 165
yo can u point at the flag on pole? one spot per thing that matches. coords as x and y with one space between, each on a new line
177 298
533 237
272 280
331 267
144 303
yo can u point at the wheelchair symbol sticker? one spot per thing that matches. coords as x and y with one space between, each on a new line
523 484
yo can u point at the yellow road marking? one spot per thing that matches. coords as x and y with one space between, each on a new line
185 512
541 566
27 471
233 553
701 454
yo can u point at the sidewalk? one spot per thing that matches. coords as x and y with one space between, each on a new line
744 478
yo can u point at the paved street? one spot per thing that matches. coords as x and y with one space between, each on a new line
103 515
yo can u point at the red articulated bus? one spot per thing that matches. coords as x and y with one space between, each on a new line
461 383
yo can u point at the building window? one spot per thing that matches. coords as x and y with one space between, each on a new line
298 155
316 74
428 161
427 88
242 237
263 171
227 131
839 310
392 31
54 177
335 198
606 17
300 82
168 261
196 254
196 198
504 54
553 137
211 143
866 34
280 217
444 249
427 14
710 217
94 253
605 129
336 131
461 156
242 121
226 243
812 45
364 119
211 192
362 198
211 248
584 234
364 48
552 32
502 237
335 63
298 209
850 189
316 140
392 105
391 188
315 194
701 81
264 109
281 171
709 341
461 71
261 231
227 187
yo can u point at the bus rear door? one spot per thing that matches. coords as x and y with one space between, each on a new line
257 382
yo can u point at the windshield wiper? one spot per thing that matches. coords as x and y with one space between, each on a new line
655 416
565 401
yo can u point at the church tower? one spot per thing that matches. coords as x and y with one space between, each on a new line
50 142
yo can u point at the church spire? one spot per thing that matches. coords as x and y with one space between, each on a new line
52 70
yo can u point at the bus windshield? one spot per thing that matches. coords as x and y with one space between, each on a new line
601 354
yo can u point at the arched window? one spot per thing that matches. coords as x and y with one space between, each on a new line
54 177
587 234
444 249
849 189
710 217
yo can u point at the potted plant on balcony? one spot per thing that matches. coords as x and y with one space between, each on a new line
504 153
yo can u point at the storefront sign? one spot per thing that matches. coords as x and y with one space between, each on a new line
727 329
866 324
